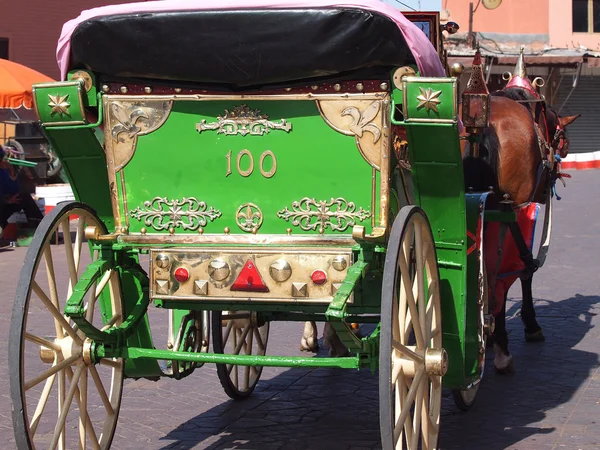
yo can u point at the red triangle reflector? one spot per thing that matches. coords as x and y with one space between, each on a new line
249 279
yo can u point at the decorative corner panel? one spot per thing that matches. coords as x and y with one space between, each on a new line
366 119
244 121
127 119
337 214
429 100
163 214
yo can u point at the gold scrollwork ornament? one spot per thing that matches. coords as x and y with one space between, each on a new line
310 214
243 120
249 217
163 214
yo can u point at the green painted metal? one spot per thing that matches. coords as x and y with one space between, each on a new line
60 103
337 307
21 162
218 358
135 328
161 168
439 189
310 149
429 99
74 308
84 163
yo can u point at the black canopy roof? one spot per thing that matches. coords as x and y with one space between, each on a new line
240 48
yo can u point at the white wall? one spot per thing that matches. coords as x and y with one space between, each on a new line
419 5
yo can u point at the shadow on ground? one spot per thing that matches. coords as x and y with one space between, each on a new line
338 409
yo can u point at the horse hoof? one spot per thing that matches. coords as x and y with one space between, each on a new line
505 367
309 345
537 336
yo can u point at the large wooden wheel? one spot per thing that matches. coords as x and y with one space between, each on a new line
60 399
412 360
239 333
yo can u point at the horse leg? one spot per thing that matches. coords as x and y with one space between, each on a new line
503 362
533 331
309 342
332 341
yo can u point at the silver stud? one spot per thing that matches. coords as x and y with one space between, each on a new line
218 269
299 290
360 86
162 260
339 263
105 88
123 89
280 270
162 286
148 90
201 287
337 87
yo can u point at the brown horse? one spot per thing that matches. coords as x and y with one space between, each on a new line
516 157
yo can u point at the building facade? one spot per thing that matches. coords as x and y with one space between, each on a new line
29 30
561 40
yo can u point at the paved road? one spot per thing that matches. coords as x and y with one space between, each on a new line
551 402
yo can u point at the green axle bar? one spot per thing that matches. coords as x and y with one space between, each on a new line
21 162
349 362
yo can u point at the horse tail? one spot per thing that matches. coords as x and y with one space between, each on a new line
481 173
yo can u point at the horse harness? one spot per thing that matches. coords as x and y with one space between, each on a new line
549 148
549 165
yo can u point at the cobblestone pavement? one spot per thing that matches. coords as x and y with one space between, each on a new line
551 402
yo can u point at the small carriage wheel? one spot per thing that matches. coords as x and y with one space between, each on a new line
239 333
465 398
60 399
412 360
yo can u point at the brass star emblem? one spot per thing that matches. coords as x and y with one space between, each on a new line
429 99
59 104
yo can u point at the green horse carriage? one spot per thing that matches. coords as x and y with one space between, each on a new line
235 178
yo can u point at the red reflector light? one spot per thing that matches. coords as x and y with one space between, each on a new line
182 274
318 277
249 279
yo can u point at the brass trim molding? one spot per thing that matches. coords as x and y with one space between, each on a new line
234 239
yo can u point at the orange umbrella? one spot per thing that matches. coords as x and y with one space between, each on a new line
15 84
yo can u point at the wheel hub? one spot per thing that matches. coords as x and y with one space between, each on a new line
68 348
436 361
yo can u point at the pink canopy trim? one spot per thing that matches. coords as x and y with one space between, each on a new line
425 54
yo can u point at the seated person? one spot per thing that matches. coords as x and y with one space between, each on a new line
11 200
